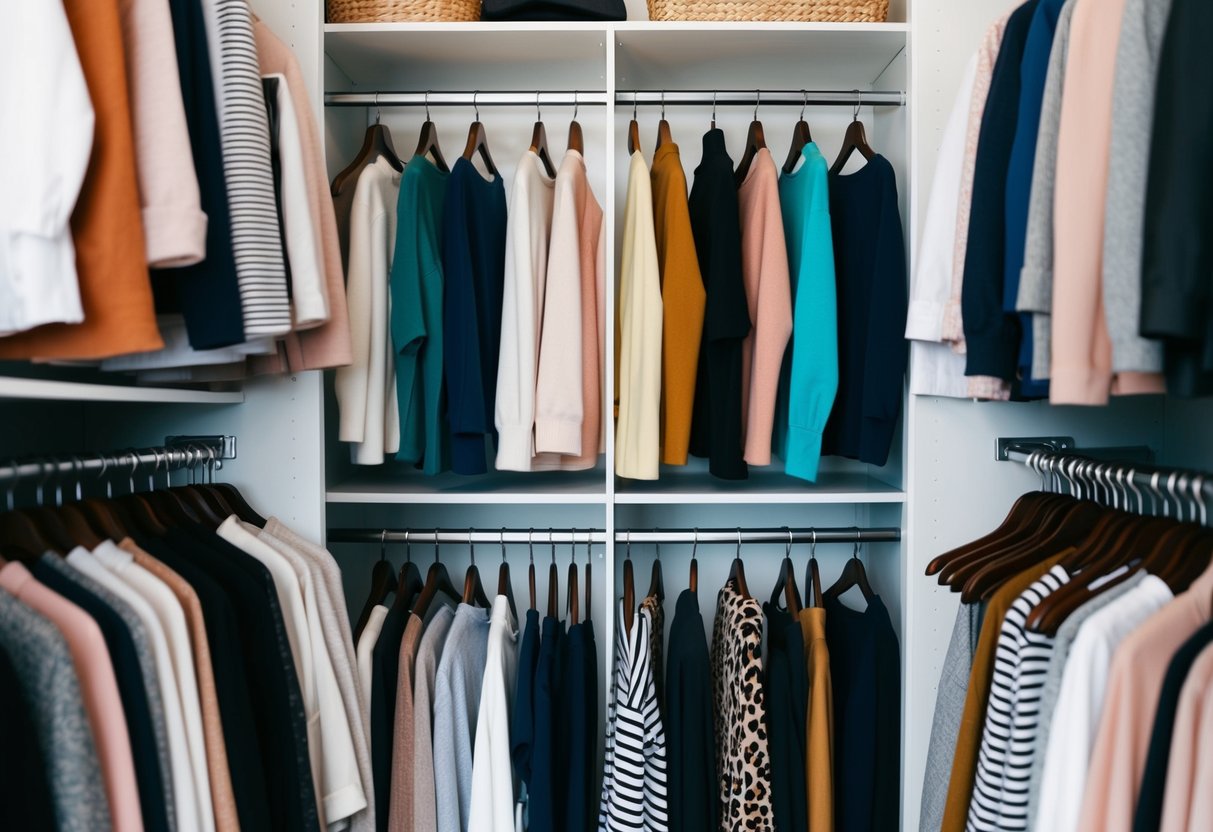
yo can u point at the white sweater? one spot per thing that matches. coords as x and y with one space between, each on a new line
44 153
366 389
526 254
493 786
640 316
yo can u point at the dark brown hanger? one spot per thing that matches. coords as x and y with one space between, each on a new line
737 571
576 139
383 581
239 505
505 584
530 577
589 578
553 581
693 580
856 138
853 574
801 137
629 591
478 141
663 127
427 141
785 584
1036 520
539 142
376 143
473 589
812 575
1018 518
656 578
436 580
755 141
573 591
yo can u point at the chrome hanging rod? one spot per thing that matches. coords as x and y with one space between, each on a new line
456 536
843 534
540 536
177 452
466 98
761 98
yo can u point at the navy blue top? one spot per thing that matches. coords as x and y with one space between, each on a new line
716 226
473 267
691 783
206 293
548 774
578 718
992 336
522 720
1033 71
870 270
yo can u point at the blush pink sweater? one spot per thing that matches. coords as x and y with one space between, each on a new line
768 291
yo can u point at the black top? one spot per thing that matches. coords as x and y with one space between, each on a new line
548 774
206 293
865 673
716 225
870 273
269 87
25 795
1148 815
991 334
691 784
578 715
473 268
385 673
131 690
246 758
1177 257
522 720
270 671
786 677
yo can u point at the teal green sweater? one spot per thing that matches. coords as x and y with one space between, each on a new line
417 316
810 365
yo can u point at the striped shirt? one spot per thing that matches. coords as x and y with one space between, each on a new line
245 141
1008 740
634 772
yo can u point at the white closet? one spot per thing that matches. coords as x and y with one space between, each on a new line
941 485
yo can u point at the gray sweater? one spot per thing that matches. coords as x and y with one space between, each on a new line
1036 277
1141 36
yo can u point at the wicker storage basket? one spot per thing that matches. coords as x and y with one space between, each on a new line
817 11
398 11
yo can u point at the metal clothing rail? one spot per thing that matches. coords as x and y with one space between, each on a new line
640 98
466 98
177 452
845 534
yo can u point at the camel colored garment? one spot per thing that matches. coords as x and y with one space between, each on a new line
683 299
168 185
819 724
222 796
768 290
1134 684
1081 371
97 683
325 346
400 817
968 740
107 227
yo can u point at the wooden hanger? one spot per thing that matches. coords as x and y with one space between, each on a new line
383 581
589 579
737 571
427 142
663 127
629 590
1042 522
530 578
505 584
854 139
800 138
376 143
408 582
576 139
1019 518
553 581
755 141
539 142
478 141
693 580
473 589
786 583
436 580
633 130
573 607
812 575
853 574
656 579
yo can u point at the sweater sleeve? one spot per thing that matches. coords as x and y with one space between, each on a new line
558 399
351 382
815 347
43 162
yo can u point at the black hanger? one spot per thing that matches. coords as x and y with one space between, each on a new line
553 581
737 571
576 139
478 141
853 574
383 581
812 576
240 506
854 139
800 137
505 584
427 142
408 581
376 143
786 584
436 580
656 579
589 577
633 130
755 141
473 589
663 127
539 142
629 589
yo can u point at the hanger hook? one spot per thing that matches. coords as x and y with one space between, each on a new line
695 543
530 542
552 542
408 547
471 547
738 541
627 552
378 112
787 549
503 544
713 106
10 496
858 104
635 96
757 101
41 481
576 103
813 543
383 545
1198 492
134 468
858 537
538 112
435 545
804 103
663 105
656 544
475 105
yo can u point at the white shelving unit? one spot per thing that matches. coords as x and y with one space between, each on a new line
37 389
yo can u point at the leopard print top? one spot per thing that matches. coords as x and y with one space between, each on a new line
739 707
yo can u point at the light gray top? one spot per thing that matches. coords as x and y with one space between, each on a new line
1141 35
456 706
147 667
425 670
1051 686
48 679
1036 277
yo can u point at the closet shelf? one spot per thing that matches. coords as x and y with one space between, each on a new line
557 488
36 389
763 487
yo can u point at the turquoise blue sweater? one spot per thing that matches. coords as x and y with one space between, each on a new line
810 366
